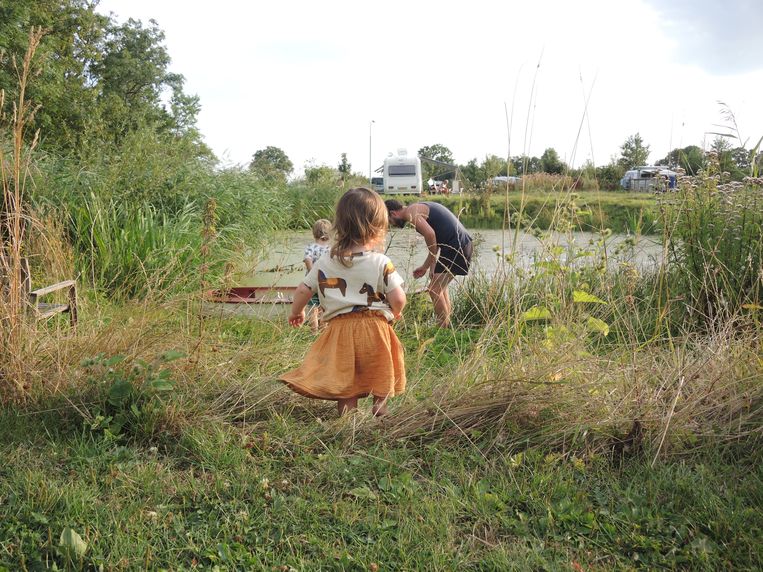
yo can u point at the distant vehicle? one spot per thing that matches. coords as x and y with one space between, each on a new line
377 184
402 174
649 178
502 180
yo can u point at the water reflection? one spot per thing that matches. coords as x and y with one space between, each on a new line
282 264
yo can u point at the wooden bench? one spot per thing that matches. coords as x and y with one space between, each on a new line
43 310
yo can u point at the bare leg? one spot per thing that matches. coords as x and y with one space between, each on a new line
438 291
314 319
379 408
346 405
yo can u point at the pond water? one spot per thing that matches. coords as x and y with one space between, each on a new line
281 264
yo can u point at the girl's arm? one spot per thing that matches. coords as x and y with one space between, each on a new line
396 300
308 264
301 298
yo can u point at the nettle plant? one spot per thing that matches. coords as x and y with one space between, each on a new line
131 395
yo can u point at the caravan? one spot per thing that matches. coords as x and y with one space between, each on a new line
402 174
649 178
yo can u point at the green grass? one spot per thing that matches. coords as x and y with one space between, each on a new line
232 470
621 212
280 497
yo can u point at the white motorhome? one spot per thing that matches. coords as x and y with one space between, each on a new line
402 174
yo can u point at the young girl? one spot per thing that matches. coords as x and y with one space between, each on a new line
358 354
313 252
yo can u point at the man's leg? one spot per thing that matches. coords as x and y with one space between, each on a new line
438 291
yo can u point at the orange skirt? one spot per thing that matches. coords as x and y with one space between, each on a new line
358 354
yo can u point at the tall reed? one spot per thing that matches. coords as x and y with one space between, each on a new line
714 234
14 170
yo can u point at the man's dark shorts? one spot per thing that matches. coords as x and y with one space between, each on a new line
454 259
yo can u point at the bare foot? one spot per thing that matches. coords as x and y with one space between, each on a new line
379 408
346 405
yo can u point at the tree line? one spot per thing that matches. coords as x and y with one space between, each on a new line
737 161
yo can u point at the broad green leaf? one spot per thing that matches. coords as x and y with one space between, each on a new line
536 313
114 360
172 355
597 325
584 297
162 385
73 542
119 392
753 307
363 493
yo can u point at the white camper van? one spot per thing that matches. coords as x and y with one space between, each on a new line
649 178
402 174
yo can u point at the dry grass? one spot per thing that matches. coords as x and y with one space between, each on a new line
14 167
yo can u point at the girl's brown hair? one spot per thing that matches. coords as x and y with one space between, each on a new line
361 218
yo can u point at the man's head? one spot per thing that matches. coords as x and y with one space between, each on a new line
393 209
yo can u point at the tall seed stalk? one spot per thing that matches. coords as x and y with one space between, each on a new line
208 236
14 172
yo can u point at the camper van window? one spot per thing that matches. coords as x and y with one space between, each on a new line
402 170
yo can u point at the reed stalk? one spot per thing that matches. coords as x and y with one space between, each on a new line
14 173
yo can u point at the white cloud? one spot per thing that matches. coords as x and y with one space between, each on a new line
309 77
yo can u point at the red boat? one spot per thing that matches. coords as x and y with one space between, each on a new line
270 302
253 295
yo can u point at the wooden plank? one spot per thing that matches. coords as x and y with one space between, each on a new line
48 289
47 310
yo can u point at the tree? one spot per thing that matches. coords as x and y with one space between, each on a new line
436 152
98 80
691 159
344 168
472 173
633 152
320 175
609 176
524 165
493 166
550 162
71 44
271 164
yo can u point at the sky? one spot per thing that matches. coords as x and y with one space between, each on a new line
318 79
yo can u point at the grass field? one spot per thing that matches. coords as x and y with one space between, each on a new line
621 212
498 457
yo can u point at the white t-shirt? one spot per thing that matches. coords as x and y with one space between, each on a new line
361 286
314 251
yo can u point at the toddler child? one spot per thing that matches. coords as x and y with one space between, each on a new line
358 353
313 252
